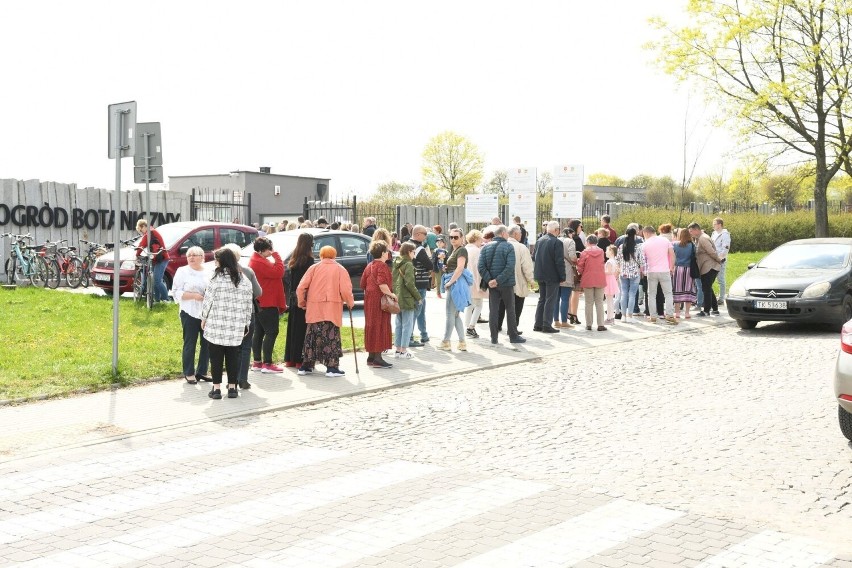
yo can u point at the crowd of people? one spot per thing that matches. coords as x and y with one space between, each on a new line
233 319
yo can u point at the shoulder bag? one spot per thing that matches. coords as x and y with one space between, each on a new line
388 303
694 271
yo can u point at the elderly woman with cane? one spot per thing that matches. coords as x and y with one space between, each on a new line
321 293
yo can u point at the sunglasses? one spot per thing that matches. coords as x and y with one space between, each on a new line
454 238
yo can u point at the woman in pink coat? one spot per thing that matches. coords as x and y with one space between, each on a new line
321 293
593 281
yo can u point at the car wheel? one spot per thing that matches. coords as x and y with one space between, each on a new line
845 420
747 324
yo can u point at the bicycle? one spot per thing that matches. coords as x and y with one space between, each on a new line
56 260
24 264
143 279
79 271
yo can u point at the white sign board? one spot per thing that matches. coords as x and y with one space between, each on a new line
522 179
568 191
479 208
523 205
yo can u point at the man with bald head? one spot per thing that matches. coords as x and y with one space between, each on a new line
549 272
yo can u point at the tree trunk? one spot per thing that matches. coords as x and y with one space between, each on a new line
821 200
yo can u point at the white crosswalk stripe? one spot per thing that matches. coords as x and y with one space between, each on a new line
578 538
771 549
372 536
18 485
141 497
147 543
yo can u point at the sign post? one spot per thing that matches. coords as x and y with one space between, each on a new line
121 144
148 168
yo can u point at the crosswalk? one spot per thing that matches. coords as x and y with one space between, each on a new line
313 507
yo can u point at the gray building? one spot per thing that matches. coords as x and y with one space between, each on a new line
249 197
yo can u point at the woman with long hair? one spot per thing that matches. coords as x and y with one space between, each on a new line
301 259
631 262
225 317
454 275
579 246
376 281
321 293
683 284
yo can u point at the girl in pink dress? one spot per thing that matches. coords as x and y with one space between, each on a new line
611 290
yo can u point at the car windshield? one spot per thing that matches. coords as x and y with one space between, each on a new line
812 256
171 233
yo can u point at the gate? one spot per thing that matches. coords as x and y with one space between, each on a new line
224 205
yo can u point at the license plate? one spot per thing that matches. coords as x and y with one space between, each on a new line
770 305
104 277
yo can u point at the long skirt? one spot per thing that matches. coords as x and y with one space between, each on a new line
683 285
322 344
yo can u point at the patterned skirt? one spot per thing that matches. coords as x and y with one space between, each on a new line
322 344
683 285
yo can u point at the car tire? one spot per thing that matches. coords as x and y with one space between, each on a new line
845 420
747 324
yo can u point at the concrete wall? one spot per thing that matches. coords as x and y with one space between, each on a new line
51 211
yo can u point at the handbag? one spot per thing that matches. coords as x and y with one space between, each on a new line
694 271
389 304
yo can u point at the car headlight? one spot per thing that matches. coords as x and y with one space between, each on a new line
128 264
737 289
816 290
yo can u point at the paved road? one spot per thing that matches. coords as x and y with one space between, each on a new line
706 447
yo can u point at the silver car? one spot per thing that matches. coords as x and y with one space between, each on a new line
843 381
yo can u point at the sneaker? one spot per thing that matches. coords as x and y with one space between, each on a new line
548 329
517 339
715 312
271 368
424 339
702 314
462 346
245 385
601 328
401 355
257 366
232 392
471 332
445 346
215 394
304 371
334 372
415 344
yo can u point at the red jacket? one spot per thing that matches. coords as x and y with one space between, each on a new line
591 268
157 244
270 277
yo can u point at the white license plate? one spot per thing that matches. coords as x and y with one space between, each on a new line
104 277
770 305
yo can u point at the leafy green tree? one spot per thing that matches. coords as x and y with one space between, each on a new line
452 165
544 184
606 180
395 192
781 190
780 70
744 187
499 183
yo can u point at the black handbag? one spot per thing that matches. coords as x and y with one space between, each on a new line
694 271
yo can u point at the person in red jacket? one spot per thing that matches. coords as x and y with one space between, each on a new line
160 255
593 281
269 269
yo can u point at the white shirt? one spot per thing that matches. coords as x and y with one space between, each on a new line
189 280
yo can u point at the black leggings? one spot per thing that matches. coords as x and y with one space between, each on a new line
265 334
231 356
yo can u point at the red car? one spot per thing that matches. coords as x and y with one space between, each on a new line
178 238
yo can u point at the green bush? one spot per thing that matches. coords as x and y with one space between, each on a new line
750 232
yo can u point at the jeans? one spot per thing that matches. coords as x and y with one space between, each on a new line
404 327
191 333
265 333
629 288
548 296
420 316
560 310
471 313
664 281
161 293
245 352
231 356
453 320
505 294
709 295
721 279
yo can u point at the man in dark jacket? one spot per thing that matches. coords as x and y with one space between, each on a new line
549 271
422 279
497 269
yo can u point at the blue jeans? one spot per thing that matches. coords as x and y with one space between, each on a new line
629 288
720 278
699 293
191 333
453 319
161 293
404 327
420 316
562 304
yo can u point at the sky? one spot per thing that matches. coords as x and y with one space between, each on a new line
345 90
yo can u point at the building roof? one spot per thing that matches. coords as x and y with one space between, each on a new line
252 172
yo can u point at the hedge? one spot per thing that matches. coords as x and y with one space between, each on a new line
750 232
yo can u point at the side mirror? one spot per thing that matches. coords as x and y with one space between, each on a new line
183 249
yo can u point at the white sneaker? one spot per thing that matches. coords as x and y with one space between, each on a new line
406 355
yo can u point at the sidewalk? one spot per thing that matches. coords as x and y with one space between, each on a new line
37 427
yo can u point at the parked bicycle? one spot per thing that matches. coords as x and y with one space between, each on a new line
143 279
24 263
57 262
79 271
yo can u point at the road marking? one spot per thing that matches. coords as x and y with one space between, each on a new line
372 536
185 532
18 485
578 538
771 549
91 510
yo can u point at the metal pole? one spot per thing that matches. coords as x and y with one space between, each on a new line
149 280
116 282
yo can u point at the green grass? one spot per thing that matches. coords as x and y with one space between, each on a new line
55 343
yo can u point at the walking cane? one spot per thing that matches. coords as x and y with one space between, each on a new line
352 327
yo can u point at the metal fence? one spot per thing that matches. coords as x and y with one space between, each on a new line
225 205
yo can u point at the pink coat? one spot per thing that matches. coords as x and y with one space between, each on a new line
322 291
591 268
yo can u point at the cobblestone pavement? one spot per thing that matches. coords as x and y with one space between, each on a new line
710 447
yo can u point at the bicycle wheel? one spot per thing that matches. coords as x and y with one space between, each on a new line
137 284
9 270
74 275
149 292
37 271
51 273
